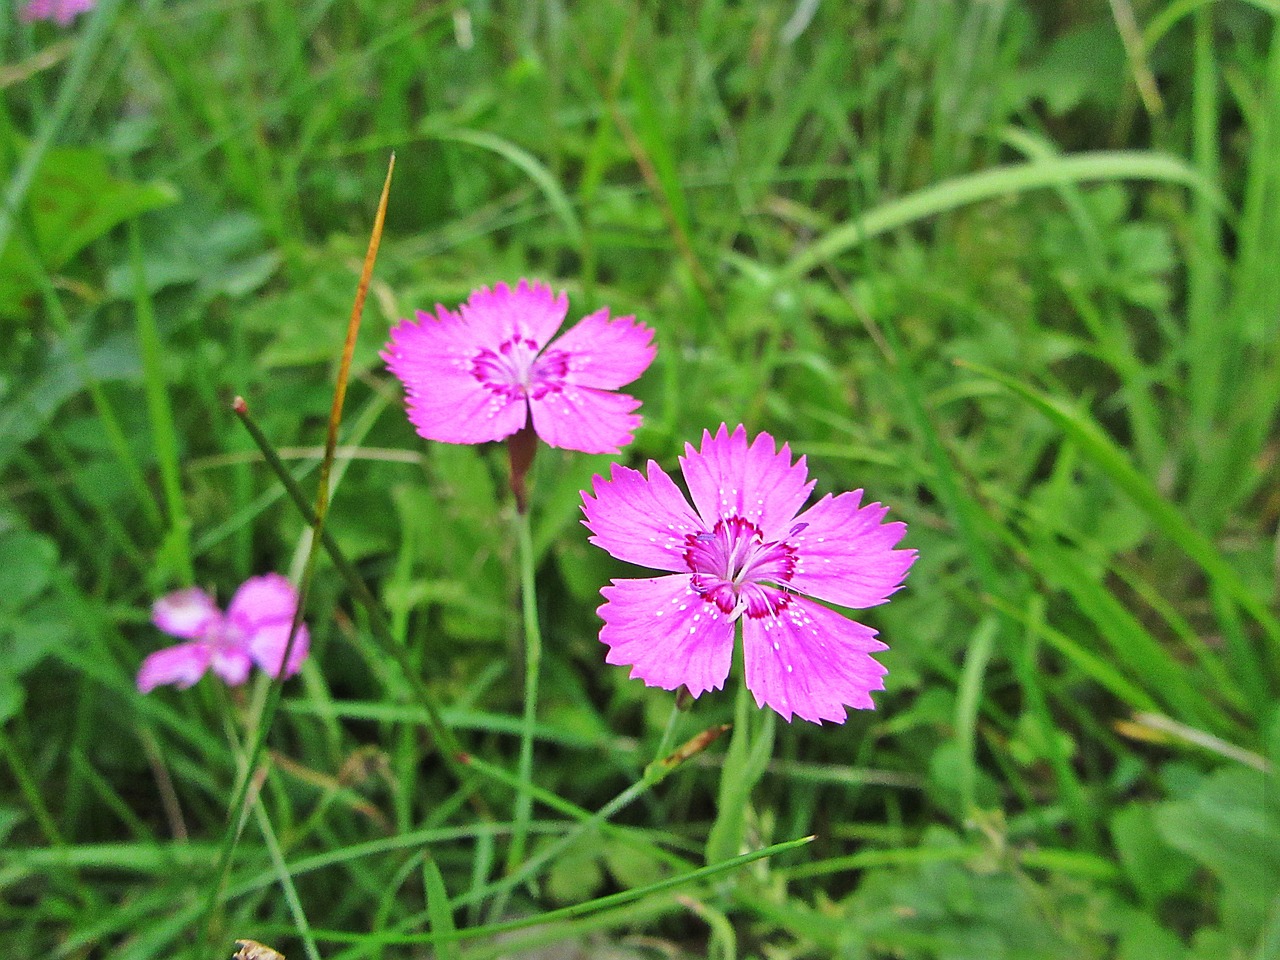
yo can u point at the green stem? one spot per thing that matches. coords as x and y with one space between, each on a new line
160 410
668 735
532 669
448 745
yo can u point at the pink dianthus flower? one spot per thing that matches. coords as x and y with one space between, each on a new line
255 629
63 11
744 552
483 372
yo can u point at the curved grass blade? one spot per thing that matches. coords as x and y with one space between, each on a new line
997 182
531 166
1111 459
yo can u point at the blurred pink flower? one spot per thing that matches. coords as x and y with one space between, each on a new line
482 373
255 629
744 552
63 11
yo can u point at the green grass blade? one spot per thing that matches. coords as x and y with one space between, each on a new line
1113 462
997 182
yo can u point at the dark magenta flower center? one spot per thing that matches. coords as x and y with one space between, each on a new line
737 570
517 370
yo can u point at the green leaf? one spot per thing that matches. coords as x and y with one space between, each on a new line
74 200
438 910
1156 869
27 561
1231 825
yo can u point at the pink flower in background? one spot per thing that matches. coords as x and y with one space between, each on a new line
482 373
63 11
745 552
255 629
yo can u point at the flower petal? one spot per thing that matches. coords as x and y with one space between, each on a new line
181 665
580 418
185 613
606 354
810 661
727 478
667 633
267 599
644 521
232 666
530 311
267 645
845 553
433 358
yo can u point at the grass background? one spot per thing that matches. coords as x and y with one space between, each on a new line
1011 267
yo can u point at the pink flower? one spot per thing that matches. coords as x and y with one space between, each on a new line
481 373
743 552
255 629
63 11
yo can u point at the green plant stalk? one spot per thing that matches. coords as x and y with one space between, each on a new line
276 690
532 669
450 748
30 792
160 410
294 902
654 774
565 913
967 698
744 764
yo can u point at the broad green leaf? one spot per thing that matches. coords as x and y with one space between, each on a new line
74 200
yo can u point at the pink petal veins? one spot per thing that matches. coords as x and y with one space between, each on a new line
846 552
729 478
666 633
605 354
810 661
746 557
579 418
639 520
188 613
440 361
530 311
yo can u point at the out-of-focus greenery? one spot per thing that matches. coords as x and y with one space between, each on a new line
1012 267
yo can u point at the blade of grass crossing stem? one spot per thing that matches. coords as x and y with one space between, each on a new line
654 774
564 913
163 432
449 747
1110 458
237 808
438 910
286 881
968 696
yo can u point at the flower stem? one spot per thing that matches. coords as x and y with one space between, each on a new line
532 669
